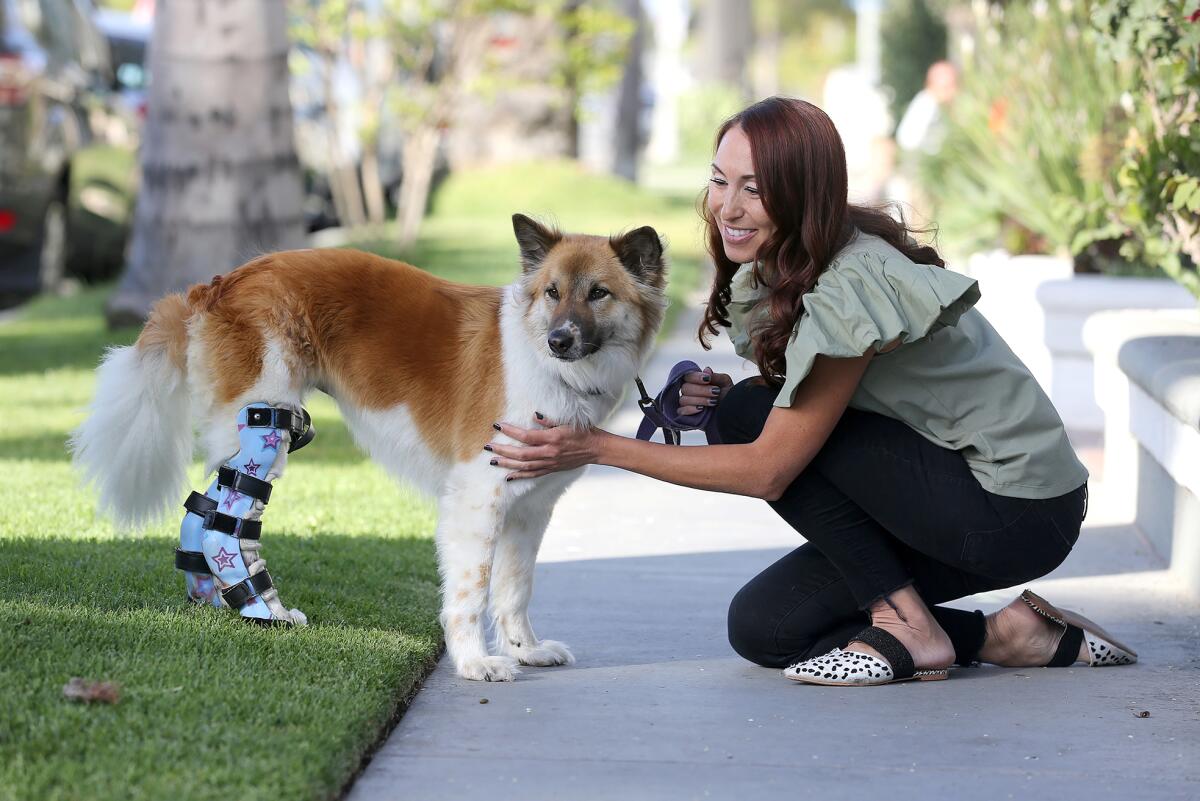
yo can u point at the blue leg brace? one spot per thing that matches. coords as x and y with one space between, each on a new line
219 537
189 556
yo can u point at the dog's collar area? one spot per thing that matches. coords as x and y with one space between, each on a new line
595 393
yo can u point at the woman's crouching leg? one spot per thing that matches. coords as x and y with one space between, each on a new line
796 608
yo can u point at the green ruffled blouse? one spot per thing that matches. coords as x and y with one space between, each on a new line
953 379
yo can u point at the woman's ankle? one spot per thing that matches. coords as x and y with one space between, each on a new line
904 615
1017 637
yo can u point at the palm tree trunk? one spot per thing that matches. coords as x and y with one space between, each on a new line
220 178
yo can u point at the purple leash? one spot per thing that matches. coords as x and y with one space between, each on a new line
663 411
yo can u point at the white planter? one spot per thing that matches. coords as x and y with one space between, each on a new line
1009 286
1066 306
1039 306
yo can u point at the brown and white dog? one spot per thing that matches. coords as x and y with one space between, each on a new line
420 367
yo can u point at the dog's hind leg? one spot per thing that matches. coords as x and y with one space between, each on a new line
469 517
512 586
189 556
230 525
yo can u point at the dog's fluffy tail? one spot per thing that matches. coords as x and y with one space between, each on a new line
136 443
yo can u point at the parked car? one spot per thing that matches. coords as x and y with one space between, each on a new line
67 155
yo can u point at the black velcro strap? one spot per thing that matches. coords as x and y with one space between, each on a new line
305 435
206 507
192 562
233 526
199 504
240 594
268 417
247 485
299 426
1068 648
889 648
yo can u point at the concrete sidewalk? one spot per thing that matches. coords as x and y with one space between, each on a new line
636 575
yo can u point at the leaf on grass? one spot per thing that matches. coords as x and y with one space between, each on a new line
78 689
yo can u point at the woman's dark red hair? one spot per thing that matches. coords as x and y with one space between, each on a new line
800 167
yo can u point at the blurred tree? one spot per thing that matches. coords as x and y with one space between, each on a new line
1157 186
417 62
629 99
914 37
333 32
814 37
220 178
726 39
593 53
440 48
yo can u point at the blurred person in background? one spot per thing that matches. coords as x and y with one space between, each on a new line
920 132
889 425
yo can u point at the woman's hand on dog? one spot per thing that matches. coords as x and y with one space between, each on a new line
702 389
547 449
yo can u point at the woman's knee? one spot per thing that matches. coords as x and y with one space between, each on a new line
751 634
743 411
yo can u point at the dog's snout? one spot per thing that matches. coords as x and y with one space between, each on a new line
560 340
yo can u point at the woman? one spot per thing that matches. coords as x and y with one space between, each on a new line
890 426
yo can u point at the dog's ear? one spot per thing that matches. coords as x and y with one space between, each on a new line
535 241
640 251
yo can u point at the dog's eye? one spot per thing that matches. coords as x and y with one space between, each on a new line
598 292
552 292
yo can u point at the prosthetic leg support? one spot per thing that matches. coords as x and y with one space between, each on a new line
219 537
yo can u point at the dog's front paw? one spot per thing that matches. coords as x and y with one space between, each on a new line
544 654
489 668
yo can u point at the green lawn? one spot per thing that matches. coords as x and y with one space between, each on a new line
211 708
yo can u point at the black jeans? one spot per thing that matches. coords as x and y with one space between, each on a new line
883 507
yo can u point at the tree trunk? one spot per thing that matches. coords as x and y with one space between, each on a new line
372 184
727 39
343 175
420 155
628 133
467 40
220 178
571 78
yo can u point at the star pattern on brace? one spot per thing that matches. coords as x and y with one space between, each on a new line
234 497
272 440
251 467
224 559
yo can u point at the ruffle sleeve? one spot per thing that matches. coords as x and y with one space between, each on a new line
743 296
868 300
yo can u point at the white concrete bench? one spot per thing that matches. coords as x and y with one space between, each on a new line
1147 382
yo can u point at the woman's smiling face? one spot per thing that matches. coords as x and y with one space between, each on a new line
734 201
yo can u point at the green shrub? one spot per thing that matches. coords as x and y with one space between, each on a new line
1032 135
1157 186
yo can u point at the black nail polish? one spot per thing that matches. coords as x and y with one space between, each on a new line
494 462
716 390
540 416
508 478
487 447
496 426
707 378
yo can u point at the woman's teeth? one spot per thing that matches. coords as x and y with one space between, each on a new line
738 234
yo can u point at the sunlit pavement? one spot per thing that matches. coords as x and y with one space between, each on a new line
635 575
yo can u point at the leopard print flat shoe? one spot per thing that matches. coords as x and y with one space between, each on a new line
1103 649
841 668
